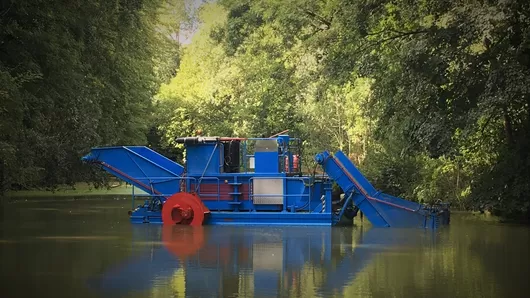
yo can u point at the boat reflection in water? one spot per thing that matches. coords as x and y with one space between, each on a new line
227 261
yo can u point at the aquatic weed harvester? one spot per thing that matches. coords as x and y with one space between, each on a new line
255 181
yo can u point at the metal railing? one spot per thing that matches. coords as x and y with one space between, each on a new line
195 185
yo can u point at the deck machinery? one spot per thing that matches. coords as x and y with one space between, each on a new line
255 181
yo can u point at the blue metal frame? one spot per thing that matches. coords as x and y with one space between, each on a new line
381 209
230 196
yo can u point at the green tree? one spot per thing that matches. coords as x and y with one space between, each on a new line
431 99
75 75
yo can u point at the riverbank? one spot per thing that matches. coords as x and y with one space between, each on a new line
79 189
488 217
121 189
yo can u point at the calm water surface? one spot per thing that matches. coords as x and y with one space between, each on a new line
87 248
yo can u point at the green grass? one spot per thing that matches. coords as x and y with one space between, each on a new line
484 216
80 189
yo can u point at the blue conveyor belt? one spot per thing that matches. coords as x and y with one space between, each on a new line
139 166
381 209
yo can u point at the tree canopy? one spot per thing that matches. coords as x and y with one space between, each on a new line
429 98
74 75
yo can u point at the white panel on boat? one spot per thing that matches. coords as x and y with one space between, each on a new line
268 191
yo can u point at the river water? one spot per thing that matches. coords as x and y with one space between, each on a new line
87 248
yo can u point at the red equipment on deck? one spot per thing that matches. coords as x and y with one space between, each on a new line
296 163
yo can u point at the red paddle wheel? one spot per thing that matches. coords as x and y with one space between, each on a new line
185 209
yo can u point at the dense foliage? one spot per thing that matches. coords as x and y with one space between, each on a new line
430 98
76 74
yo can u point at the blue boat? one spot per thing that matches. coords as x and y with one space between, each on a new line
256 181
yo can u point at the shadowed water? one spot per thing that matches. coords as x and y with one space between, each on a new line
87 248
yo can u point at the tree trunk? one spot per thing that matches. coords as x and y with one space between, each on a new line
2 181
457 180
508 126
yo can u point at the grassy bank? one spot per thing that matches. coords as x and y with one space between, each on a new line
80 189
488 217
